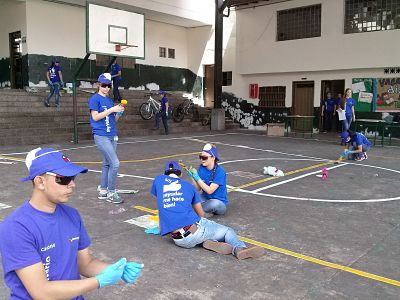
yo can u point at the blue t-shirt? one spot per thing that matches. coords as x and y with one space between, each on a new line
29 236
53 73
350 102
164 101
329 105
175 198
219 178
360 139
106 126
115 68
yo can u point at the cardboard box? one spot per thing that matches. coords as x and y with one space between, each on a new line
275 129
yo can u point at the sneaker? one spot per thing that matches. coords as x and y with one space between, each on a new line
365 155
102 193
114 197
361 157
219 247
46 103
253 252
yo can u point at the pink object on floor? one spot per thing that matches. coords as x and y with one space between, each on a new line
324 174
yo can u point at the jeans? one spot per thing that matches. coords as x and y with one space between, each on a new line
108 147
346 123
354 146
117 96
328 117
214 206
54 88
164 118
210 230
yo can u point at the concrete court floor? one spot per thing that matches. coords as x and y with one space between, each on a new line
299 213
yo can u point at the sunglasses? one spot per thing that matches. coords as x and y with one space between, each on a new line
204 157
62 180
104 85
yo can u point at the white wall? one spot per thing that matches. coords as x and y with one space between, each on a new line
169 36
259 52
12 18
55 29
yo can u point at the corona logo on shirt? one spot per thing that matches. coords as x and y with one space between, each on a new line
48 247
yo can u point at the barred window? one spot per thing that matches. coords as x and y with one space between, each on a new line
163 52
171 53
272 96
371 15
299 23
227 78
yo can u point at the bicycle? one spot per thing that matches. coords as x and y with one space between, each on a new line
150 108
178 113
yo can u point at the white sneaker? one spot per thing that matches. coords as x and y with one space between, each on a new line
114 197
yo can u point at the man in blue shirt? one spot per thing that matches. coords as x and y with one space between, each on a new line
163 113
359 145
328 111
54 79
182 216
116 79
44 244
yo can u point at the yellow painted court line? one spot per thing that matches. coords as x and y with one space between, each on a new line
12 158
322 262
305 257
140 160
286 174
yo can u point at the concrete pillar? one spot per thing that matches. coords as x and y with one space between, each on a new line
218 119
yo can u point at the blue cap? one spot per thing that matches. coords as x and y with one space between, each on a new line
172 166
210 149
39 161
105 78
345 135
161 92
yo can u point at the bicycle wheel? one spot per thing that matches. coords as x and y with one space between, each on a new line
146 111
178 113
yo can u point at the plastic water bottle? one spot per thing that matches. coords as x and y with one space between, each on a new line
324 174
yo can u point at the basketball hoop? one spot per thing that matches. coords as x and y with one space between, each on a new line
119 47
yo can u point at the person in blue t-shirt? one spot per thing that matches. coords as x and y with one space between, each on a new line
357 145
328 111
182 216
210 181
116 79
44 244
103 117
163 113
55 81
348 105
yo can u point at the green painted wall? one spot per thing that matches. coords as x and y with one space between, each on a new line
168 78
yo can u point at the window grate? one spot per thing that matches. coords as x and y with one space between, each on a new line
272 96
371 15
299 23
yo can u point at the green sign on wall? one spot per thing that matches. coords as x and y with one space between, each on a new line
363 86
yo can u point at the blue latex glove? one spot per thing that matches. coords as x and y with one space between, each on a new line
62 83
195 174
166 114
50 83
120 113
112 274
155 230
132 271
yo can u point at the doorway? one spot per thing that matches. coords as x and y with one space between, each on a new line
303 105
208 86
336 88
16 76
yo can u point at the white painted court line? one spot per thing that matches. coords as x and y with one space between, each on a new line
295 178
4 206
120 175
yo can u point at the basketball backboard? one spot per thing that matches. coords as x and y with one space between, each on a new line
114 32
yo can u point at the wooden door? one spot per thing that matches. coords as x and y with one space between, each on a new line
209 86
303 105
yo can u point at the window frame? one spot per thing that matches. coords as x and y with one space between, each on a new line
227 78
272 96
171 53
162 52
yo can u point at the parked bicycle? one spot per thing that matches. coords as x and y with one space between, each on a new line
149 108
179 112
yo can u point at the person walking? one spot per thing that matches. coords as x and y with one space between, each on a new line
44 244
55 81
116 72
103 117
328 111
182 217
163 113
210 180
